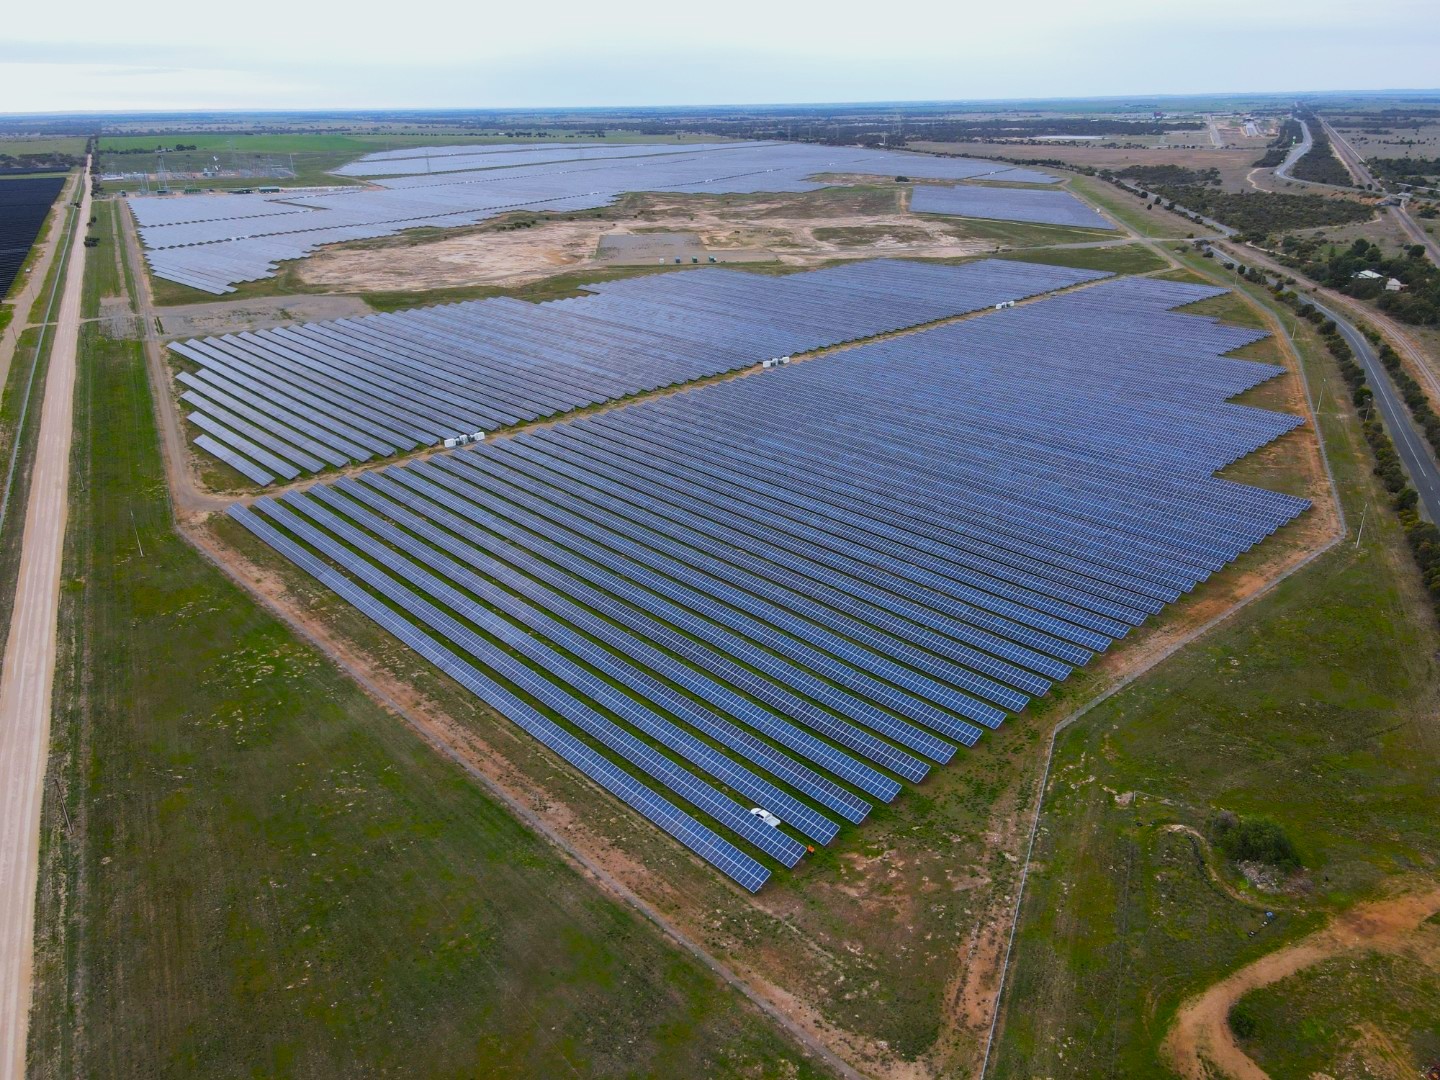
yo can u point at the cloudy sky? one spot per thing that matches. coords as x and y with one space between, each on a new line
160 54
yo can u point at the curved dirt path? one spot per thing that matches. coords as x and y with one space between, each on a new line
1200 1041
25 681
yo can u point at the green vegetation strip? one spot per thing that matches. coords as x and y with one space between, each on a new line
1319 165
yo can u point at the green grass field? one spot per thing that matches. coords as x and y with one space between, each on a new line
1131 211
1122 259
44 144
253 869
1315 707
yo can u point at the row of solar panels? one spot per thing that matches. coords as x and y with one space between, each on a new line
210 243
795 592
1008 204
24 204
299 399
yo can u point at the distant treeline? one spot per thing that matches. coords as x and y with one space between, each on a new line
968 130
896 131
175 149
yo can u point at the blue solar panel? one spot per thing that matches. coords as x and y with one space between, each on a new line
759 605
401 380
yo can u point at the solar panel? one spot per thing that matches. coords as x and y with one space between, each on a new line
763 609
398 381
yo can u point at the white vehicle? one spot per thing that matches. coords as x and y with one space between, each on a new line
765 816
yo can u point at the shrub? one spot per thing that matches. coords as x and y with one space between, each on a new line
1242 1021
1255 839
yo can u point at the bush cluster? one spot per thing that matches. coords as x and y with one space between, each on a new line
1336 267
1319 164
1254 839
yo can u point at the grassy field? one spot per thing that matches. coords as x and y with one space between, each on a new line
1363 1014
44 144
1121 259
252 869
1130 210
1315 707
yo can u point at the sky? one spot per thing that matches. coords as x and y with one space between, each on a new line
304 54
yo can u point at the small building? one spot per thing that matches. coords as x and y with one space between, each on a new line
1368 275
1394 285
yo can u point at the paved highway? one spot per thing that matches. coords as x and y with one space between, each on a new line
1297 151
1356 164
1410 443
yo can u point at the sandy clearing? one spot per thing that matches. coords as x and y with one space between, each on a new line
25 683
1201 1041
509 257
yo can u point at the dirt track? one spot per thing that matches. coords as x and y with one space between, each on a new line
29 670
1200 1042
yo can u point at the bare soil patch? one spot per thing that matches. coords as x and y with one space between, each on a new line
1201 1040
783 229
257 313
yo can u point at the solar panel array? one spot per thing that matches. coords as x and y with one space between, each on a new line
296 400
212 242
802 590
1008 204
24 202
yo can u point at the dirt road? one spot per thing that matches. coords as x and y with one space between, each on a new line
29 669
1201 1041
